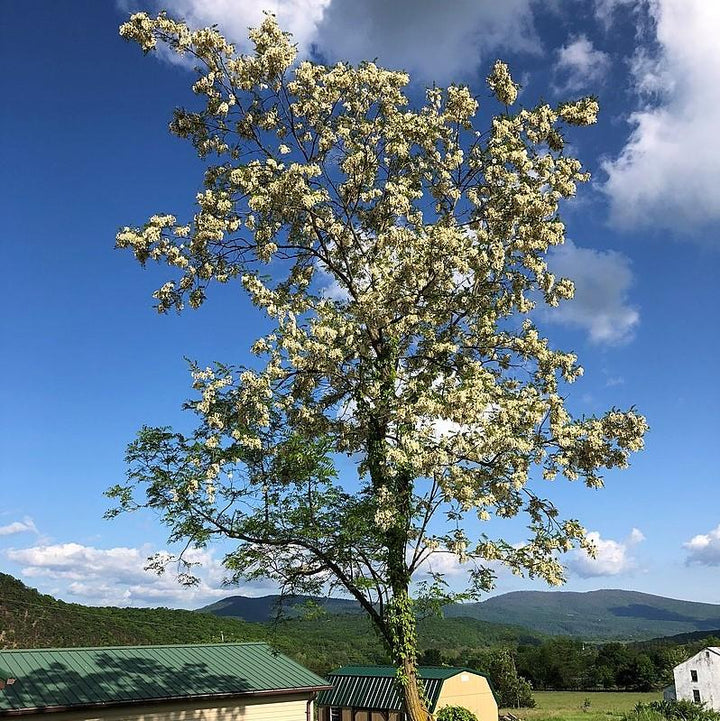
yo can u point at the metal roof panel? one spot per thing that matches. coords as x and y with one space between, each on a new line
47 678
374 687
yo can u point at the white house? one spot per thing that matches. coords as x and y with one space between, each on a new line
698 679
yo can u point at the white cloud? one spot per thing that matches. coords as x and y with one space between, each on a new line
611 558
425 37
25 526
445 563
704 549
668 171
300 17
605 9
636 536
116 576
602 281
580 65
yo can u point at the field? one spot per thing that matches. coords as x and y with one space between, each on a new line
582 705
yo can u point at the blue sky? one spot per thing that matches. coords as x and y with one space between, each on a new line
86 361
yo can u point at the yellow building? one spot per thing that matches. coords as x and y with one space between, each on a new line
369 693
228 682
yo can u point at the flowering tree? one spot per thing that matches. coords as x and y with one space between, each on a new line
399 253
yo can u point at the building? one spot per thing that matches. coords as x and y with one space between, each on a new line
698 679
369 693
229 681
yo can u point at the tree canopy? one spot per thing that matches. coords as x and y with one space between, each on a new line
399 252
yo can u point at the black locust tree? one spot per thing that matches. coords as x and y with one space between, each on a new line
399 252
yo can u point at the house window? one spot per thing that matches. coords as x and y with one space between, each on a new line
335 714
696 695
693 676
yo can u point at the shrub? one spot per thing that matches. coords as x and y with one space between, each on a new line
672 711
455 713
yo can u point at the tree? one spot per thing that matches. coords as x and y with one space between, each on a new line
511 690
431 657
399 253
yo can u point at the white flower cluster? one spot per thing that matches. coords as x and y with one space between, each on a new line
501 83
435 238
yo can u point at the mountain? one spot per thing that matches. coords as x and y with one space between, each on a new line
263 609
594 615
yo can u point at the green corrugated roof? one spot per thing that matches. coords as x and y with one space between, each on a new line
52 678
374 687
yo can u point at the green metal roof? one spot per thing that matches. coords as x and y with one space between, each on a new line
75 677
374 687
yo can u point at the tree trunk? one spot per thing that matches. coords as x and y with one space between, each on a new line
415 708
402 626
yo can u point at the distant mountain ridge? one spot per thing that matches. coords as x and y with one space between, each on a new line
604 615
263 609
610 614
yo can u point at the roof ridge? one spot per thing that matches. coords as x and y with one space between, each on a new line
135 646
349 669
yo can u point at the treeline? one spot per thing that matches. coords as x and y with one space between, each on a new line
564 664
572 665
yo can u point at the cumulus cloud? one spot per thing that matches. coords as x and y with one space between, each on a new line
704 549
300 17
116 576
25 526
602 282
667 173
611 558
580 65
445 563
424 37
605 9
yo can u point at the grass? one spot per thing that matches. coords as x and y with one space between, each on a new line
572 705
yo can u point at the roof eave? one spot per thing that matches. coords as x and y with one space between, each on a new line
164 699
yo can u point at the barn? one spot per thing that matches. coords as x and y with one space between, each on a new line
229 681
369 693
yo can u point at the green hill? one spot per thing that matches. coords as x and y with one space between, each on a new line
29 619
699 638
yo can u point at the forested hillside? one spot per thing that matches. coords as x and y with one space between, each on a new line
29 619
